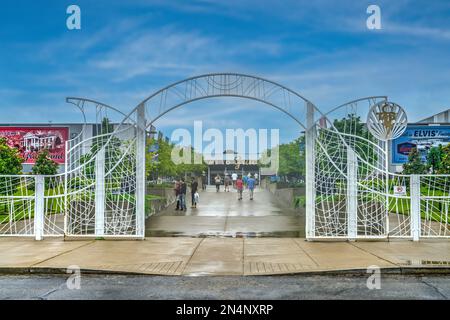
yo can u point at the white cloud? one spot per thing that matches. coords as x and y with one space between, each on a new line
417 31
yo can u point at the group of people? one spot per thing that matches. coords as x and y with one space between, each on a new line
238 182
180 193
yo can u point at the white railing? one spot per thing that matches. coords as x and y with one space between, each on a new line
32 206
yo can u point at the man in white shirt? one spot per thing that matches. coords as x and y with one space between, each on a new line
234 176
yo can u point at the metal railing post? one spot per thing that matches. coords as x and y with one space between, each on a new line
141 124
310 141
100 193
39 192
352 194
415 207
66 183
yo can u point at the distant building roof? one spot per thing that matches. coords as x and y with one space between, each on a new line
441 117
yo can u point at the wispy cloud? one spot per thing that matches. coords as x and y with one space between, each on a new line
417 31
171 51
321 49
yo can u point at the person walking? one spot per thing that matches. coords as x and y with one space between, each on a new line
251 186
244 180
204 181
176 189
183 188
196 198
217 181
234 177
239 187
256 179
194 189
227 183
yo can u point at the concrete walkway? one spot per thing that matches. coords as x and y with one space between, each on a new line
221 214
220 256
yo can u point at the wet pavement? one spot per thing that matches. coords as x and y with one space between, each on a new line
50 287
221 256
222 214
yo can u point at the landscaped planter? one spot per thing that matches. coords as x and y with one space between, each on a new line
286 195
166 198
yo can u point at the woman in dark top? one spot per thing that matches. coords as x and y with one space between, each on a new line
194 188
183 188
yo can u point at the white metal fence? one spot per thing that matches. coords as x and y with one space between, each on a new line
32 206
350 192
356 197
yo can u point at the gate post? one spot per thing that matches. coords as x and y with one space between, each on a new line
100 193
310 141
415 206
352 194
39 203
140 170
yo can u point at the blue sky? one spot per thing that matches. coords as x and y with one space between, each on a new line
128 49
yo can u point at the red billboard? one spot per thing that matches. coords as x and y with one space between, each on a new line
30 140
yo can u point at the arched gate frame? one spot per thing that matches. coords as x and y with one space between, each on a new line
301 110
348 184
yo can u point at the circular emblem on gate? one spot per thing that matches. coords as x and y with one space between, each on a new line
387 120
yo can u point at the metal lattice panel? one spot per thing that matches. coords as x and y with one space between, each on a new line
349 187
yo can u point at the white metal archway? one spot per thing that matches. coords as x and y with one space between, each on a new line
348 184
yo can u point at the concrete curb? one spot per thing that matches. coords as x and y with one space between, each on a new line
413 271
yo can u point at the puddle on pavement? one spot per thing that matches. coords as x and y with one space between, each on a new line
275 234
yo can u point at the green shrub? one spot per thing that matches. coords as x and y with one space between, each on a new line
300 202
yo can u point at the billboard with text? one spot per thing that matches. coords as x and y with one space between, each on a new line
31 140
421 137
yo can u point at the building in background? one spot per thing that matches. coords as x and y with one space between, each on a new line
230 164
423 135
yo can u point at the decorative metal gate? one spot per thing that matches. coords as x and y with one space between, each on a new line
349 190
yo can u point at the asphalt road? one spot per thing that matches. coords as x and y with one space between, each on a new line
267 287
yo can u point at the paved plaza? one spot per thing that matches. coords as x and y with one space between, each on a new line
223 236
221 256
221 214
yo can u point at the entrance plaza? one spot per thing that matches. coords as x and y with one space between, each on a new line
349 191
100 204
221 214
124 123
222 256
224 236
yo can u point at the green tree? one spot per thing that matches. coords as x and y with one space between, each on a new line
185 169
159 162
10 164
104 135
112 144
44 165
353 126
10 159
434 158
292 161
444 167
414 164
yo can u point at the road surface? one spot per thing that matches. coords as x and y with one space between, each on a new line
264 287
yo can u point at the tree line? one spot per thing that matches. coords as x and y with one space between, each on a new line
11 161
